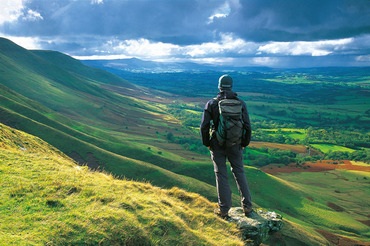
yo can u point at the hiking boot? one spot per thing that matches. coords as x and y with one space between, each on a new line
247 211
221 214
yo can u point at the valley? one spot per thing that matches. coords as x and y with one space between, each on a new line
145 127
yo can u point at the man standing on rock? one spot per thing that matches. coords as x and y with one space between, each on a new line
227 117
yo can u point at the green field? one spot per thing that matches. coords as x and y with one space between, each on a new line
328 147
298 134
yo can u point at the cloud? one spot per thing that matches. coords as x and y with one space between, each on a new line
13 10
191 21
265 61
315 48
31 15
142 48
221 12
227 44
103 57
364 58
232 50
10 10
291 20
97 2
31 43
228 31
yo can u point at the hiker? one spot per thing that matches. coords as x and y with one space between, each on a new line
230 146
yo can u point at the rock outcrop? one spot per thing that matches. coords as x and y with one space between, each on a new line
258 227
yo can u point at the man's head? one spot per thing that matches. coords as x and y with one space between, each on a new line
225 83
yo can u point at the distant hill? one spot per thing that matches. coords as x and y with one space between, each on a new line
141 66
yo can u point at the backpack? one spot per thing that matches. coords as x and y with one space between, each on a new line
230 126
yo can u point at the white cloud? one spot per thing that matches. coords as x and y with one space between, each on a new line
31 43
218 52
228 50
228 44
142 48
32 16
97 2
213 60
146 49
10 10
314 48
102 57
364 58
221 12
265 61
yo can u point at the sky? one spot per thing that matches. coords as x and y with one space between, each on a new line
273 33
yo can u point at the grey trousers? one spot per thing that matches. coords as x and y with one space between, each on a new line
235 157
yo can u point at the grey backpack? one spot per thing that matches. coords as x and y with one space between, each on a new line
230 126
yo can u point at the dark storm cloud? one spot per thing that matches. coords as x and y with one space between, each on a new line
187 21
291 20
261 31
174 21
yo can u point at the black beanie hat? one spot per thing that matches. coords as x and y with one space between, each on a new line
225 82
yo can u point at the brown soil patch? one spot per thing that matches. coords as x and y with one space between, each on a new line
309 198
335 207
319 166
365 222
91 161
340 240
294 148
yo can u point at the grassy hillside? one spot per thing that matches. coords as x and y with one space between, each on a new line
82 112
117 164
81 93
47 199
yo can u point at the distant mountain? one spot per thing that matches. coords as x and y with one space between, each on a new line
141 66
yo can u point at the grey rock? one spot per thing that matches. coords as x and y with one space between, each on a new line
258 226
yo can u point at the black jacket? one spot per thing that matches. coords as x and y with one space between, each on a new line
211 115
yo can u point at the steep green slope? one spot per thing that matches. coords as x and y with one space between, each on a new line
46 199
109 120
31 109
76 67
117 164
104 147
79 93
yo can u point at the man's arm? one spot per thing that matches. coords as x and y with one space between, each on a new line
205 125
247 127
